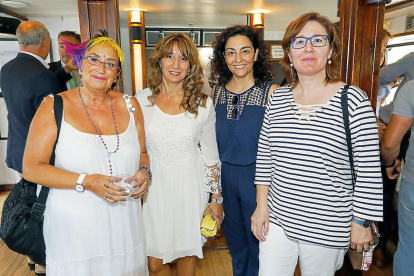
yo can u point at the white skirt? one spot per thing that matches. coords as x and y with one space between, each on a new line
173 209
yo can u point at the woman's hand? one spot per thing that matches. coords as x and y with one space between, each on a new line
361 237
260 220
103 186
217 211
394 171
141 181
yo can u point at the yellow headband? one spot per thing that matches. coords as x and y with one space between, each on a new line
102 40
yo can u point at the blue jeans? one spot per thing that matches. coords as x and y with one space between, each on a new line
403 259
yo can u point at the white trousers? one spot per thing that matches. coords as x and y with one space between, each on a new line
279 255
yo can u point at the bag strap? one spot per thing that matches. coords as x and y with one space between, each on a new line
39 207
345 114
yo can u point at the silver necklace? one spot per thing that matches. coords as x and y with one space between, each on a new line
96 130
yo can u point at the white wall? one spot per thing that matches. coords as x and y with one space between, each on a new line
397 24
273 35
7 176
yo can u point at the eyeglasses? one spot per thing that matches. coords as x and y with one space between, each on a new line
96 62
235 115
316 41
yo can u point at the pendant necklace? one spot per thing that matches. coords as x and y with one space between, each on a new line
96 130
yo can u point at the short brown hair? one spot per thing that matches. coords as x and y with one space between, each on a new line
386 33
192 83
332 70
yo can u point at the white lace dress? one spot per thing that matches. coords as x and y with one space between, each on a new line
186 167
85 235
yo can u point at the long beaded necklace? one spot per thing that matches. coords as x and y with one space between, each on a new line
96 130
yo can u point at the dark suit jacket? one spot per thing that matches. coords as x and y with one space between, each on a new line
24 82
60 73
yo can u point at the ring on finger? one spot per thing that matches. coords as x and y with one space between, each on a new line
106 185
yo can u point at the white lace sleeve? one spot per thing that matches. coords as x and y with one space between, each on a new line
209 150
213 177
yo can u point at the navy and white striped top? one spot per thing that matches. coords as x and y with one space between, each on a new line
305 162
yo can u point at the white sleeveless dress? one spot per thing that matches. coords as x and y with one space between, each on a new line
85 235
185 165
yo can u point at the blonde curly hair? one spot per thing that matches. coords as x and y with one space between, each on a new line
192 83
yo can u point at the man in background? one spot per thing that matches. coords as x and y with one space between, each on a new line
64 69
403 68
401 121
25 81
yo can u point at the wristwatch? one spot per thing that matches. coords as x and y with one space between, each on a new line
218 200
79 183
363 223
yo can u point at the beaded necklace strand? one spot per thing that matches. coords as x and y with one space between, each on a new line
96 130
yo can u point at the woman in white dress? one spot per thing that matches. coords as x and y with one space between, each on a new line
181 142
91 226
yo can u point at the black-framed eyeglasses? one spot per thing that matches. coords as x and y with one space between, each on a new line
316 41
235 114
96 62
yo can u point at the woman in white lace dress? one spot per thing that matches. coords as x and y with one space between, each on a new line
181 141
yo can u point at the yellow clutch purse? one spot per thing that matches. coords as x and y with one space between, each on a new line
208 226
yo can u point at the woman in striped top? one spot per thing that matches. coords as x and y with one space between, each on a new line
303 177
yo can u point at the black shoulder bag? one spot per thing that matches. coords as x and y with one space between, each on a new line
21 226
358 260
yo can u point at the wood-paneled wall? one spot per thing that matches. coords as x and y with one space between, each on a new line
361 33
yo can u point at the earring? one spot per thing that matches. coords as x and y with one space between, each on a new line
291 64
329 61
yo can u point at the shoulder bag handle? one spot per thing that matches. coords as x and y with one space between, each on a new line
40 205
345 113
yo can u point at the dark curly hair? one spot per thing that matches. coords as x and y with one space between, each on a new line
262 66
333 69
192 83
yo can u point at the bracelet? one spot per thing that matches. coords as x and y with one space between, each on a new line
364 223
148 171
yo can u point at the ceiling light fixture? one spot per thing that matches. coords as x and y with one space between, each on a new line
14 4
257 20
